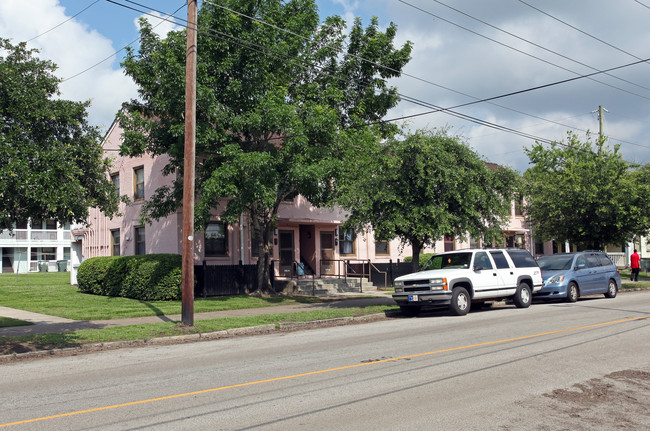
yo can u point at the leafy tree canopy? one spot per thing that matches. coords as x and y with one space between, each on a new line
51 160
426 186
282 99
586 194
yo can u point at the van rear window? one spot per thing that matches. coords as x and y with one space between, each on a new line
522 259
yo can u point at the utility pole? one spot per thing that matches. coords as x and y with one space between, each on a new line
600 121
187 311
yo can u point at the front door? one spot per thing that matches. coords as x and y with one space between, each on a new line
327 252
286 253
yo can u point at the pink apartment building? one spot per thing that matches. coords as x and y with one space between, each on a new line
304 233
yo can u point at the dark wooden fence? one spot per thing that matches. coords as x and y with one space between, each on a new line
223 280
392 270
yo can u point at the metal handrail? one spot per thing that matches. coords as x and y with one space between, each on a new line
381 272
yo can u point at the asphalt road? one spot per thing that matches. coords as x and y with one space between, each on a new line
552 366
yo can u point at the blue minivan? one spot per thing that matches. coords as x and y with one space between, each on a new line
571 275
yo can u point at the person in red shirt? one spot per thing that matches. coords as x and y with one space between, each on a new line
634 264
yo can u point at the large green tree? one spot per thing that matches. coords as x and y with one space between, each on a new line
281 100
585 193
428 185
51 160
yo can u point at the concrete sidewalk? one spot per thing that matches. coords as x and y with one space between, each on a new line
45 324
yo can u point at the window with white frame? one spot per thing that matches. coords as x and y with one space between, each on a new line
216 239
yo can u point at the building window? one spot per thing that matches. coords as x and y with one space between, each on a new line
43 253
50 224
474 243
115 242
519 205
520 240
37 224
138 183
255 242
449 243
539 247
346 245
66 253
381 248
115 179
216 239
139 241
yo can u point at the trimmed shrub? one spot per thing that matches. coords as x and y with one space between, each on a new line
153 277
424 258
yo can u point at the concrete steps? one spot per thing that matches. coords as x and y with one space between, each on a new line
333 286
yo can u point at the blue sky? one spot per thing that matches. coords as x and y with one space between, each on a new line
464 50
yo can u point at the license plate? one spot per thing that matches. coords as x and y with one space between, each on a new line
413 298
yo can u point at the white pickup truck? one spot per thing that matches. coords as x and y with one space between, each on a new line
460 278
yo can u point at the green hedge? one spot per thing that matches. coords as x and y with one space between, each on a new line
152 277
424 258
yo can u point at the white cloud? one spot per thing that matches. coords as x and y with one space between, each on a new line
73 47
161 23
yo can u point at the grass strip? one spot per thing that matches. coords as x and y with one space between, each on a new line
165 329
51 293
8 321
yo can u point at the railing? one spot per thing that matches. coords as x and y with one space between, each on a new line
344 268
43 235
618 259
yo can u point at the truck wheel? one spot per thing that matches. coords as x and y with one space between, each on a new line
572 292
410 310
460 301
611 289
523 297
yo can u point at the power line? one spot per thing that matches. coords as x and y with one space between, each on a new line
222 36
644 5
123 48
579 30
518 50
60 24
406 74
535 44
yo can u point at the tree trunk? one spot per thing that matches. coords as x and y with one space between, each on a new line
416 246
264 257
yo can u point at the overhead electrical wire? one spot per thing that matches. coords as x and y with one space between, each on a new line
406 74
121 49
579 30
535 44
518 50
60 24
248 45
642 4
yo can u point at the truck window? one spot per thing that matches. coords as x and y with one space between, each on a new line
499 259
521 258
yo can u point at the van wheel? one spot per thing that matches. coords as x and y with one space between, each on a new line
460 301
410 310
572 292
523 297
611 289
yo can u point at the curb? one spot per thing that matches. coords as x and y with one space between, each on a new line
190 338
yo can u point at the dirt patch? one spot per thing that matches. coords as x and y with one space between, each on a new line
617 401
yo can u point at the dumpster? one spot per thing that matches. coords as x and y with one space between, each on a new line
42 266
62 265
644 265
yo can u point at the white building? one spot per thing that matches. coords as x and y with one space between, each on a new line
35 246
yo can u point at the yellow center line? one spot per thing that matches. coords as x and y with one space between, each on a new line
311 373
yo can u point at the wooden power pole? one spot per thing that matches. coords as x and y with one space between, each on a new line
600 121
187 312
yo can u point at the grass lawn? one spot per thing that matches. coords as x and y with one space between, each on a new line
162 329
8 321
51 293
